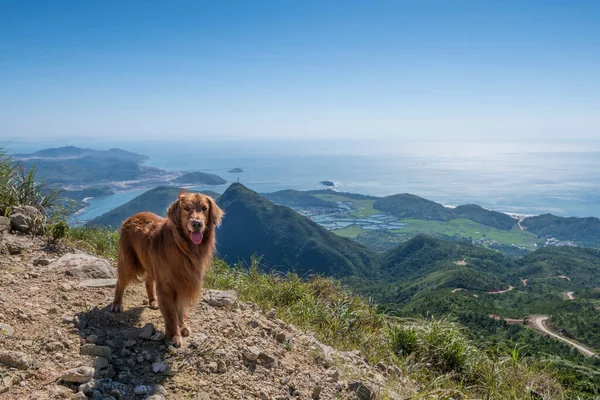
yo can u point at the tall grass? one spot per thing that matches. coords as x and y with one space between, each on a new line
102 242
436 353
20 186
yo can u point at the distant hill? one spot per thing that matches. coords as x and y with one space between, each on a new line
155 200
199 178
296 198
77 152
410 206
69 165
486 217
285 239
585 231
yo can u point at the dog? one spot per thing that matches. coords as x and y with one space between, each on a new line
172 255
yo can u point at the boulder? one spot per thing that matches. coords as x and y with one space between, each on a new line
26 219
221 298
84 266
14 359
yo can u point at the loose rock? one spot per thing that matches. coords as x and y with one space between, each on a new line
95 350
14 359
146 332
78 375
221 298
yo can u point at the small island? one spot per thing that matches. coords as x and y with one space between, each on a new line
327 183
199 178
236 171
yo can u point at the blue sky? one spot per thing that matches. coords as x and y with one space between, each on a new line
300 69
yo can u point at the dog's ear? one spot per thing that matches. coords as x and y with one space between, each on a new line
215 214
173 212
182 192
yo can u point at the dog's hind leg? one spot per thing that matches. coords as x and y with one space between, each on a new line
126 271
151 290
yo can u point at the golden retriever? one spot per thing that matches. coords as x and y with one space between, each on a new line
172 255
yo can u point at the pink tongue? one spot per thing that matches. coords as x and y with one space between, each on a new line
196 237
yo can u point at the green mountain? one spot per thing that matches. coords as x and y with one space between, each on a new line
479 214
585 231
199 178
155 200
285 239
554 265
410 206
297 198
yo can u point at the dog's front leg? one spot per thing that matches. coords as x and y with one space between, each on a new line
184 326
167 302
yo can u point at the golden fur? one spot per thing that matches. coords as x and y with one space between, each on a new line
161 251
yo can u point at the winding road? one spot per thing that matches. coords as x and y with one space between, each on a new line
540 323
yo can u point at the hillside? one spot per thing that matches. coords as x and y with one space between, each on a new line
199 178
410 206
585 231
155 200
63 343
486 217
297 198
287 241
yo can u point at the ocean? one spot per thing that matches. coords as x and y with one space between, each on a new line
517 177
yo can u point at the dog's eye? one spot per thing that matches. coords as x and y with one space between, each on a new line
186 208
204 208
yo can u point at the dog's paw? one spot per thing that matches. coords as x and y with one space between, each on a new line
175 341
153 305
185 331
116 307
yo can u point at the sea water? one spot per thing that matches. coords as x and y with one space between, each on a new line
517 177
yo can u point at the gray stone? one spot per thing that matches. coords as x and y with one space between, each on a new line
14 359
42 261
87 387
6 329
280 337
84 266
316 392
362 391
271 314
81 374
109 283
158 335
95 350
140 389
221 298
79 396
101 363
26 219
146 332
160 366
252 353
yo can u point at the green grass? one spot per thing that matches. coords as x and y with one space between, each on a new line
435 353
351 231
363 208
102 242
467 228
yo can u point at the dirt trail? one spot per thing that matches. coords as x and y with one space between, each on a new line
539 323
569 296
502 291
524 281
52 325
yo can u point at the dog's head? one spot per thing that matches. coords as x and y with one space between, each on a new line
195 214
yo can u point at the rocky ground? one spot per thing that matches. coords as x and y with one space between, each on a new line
58 341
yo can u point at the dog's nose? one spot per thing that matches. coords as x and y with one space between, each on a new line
197 224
